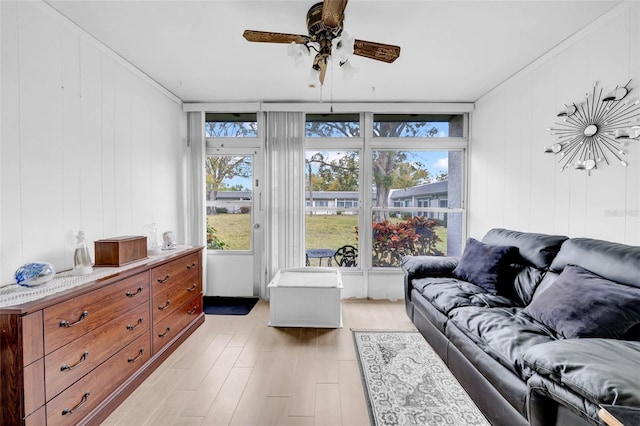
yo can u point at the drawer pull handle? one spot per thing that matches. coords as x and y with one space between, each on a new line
129 294
83 401
192 288
65 323
193 265
165 306
83 358
192 311
133 327
162 280
137 357
165 333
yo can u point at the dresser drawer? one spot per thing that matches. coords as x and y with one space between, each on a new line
165 330
69 320
170 298
72 405
72 361
185 269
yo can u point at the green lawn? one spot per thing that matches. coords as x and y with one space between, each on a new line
322 231
331 231
232 229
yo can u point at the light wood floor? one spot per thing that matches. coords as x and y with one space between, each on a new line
235 370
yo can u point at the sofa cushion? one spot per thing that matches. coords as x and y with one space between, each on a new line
503 333
473 367
487 266
582 304
446 294
526 283
604 371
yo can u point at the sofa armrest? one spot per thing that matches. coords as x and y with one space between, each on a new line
429 266
602 371
550 403
415 267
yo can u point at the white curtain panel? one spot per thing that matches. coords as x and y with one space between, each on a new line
284 155
195 228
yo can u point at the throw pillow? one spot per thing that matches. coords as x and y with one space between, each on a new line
487 266
582 304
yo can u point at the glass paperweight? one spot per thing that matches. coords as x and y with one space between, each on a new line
152 239
82 263
34 274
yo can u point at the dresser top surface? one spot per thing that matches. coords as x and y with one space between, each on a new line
15 299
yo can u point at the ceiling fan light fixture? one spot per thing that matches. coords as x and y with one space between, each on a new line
343 47
313 80
348 70
298 53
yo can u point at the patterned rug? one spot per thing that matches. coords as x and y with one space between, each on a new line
406 383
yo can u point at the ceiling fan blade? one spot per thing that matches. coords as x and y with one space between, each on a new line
268 37
378 51
323 71
333 12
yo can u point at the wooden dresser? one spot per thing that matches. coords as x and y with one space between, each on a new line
73 357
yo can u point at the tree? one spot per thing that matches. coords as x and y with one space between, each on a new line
233 129
339 174
332 129
442 176
391 169
221 167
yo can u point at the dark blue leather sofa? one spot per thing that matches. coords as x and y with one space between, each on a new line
557 338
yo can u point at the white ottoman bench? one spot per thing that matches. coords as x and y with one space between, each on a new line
305 297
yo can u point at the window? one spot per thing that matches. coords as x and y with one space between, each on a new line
231 125
332 195
413 187
232 145
229 193
347 203
419 181
332 125
418 125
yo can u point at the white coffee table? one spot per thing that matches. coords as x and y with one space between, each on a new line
306 297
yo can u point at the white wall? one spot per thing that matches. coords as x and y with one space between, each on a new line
513 184
88 142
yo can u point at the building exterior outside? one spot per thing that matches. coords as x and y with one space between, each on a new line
433 195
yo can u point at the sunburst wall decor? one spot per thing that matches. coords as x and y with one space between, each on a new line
596 131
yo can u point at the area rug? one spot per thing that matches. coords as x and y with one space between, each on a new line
406 382
217 305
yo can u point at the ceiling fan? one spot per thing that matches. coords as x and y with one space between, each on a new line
325 22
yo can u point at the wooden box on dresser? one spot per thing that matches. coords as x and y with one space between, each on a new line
74 356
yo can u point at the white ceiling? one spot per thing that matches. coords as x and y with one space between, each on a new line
452 51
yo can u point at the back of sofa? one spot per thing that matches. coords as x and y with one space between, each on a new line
537 251
613 261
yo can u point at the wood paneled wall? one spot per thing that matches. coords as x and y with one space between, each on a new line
88 142
513 184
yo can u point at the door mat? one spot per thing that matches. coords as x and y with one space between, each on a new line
217 305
